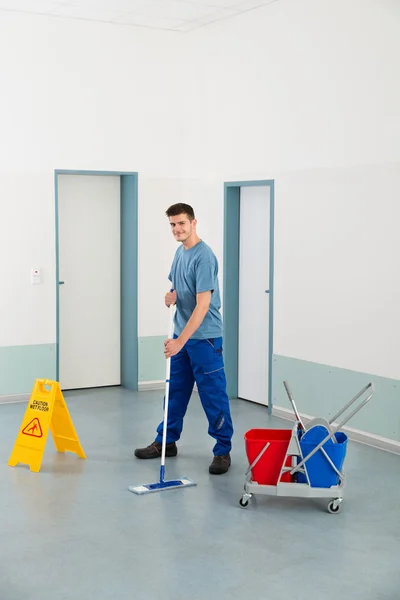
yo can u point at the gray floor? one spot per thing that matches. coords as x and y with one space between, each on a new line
74 532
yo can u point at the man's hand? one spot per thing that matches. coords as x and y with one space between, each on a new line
170 298
172 347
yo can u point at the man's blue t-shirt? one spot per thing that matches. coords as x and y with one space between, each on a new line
193 271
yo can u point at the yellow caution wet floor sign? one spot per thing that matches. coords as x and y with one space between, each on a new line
46 409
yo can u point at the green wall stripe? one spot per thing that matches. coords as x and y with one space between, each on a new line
21 365
320 390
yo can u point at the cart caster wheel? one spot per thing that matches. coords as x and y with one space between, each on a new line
334 506
244 500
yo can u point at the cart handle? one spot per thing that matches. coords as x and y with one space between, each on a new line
255 461
298 418
292 402
370 385
328 437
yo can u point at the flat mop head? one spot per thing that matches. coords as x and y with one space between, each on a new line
161 486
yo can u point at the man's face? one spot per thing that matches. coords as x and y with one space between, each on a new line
182 228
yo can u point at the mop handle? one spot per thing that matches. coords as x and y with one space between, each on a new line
167 377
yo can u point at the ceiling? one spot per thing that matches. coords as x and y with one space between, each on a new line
175 15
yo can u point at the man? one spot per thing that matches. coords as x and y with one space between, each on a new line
196 347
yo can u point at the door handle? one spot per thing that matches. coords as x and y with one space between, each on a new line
61 282
267 291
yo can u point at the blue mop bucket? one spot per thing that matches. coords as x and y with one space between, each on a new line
319 470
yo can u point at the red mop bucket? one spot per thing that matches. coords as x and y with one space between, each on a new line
267 469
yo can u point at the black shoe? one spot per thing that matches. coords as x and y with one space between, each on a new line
220 464
154 450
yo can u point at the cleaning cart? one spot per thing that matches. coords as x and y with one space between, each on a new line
303 462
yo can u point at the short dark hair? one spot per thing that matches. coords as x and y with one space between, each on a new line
179 209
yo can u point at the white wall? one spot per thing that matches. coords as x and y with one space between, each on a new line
306 93
156 252
302 92
79 95
295 85
337 263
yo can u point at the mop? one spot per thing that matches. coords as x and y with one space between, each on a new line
162 484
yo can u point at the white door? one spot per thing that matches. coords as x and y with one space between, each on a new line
89 266
253 371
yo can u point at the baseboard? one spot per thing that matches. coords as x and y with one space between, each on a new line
14 398
362 437
145 386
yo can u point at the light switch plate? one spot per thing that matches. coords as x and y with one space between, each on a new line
36 276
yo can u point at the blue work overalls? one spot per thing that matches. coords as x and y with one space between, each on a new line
200 361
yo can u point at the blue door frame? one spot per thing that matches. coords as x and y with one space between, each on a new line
129 273
231 282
